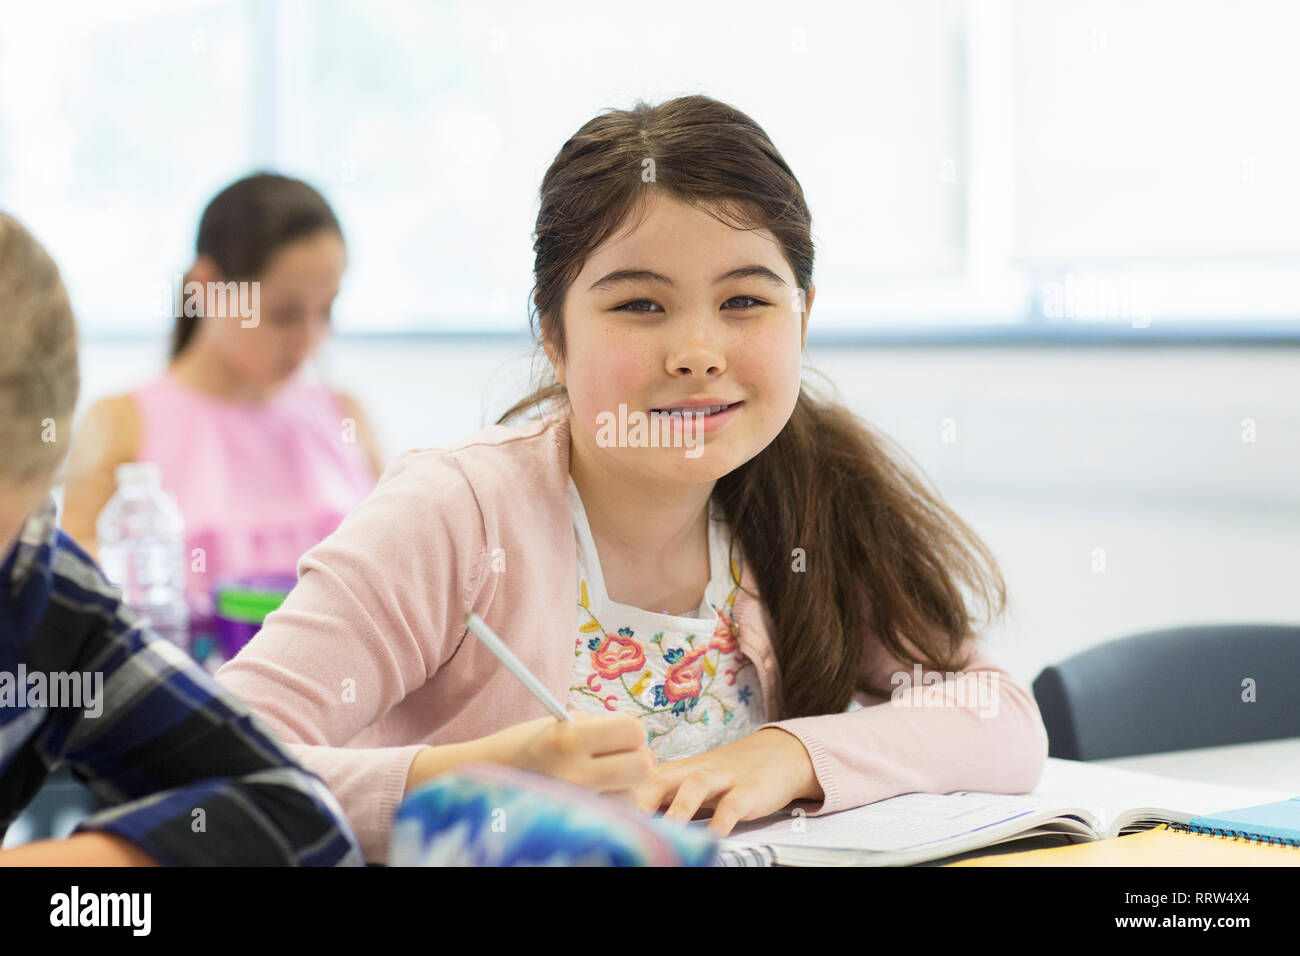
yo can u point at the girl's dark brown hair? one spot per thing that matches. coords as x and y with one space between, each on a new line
247 223
885 558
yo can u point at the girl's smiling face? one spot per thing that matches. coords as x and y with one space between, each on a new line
682 310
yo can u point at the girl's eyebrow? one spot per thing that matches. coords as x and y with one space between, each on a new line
752 271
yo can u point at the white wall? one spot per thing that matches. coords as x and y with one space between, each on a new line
1058 452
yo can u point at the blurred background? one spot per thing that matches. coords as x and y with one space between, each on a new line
1058 252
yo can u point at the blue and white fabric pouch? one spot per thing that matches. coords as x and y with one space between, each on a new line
487 815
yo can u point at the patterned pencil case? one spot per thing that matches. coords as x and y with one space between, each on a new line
486 815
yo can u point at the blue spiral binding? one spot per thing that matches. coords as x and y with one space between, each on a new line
1246 835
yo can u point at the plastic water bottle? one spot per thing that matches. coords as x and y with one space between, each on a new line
142 550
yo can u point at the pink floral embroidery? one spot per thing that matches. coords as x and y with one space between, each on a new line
617 655
698 688
722 638
683 678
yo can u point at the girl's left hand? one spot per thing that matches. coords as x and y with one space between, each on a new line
743 780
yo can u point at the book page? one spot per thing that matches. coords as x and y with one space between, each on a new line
1099 796
1120 797
900 823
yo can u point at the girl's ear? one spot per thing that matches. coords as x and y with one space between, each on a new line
553 356
204 270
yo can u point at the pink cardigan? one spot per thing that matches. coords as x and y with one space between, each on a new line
367 662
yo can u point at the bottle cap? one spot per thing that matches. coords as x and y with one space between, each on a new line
248 603
139 471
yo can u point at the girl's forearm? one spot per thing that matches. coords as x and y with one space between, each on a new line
80 849
802 772
434 761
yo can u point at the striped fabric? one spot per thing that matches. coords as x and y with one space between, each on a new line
191 776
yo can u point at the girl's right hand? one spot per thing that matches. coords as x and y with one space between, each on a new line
606 754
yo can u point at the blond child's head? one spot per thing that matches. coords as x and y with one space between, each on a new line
39 378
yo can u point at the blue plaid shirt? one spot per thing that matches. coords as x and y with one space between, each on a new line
167 742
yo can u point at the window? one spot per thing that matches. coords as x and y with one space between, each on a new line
1000 163
117 123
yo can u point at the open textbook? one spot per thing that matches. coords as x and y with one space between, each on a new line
1078 801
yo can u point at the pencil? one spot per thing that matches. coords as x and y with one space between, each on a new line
514 665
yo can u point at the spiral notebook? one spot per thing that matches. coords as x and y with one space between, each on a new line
1266 835
1270 823
1077 802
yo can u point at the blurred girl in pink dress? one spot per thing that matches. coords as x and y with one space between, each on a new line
263 462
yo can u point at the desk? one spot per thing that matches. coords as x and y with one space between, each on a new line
1267 764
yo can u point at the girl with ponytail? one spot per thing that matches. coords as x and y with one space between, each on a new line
736 582
263 462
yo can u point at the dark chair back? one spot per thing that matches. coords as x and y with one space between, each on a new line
1173 690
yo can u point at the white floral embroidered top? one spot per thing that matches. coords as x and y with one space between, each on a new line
684 676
